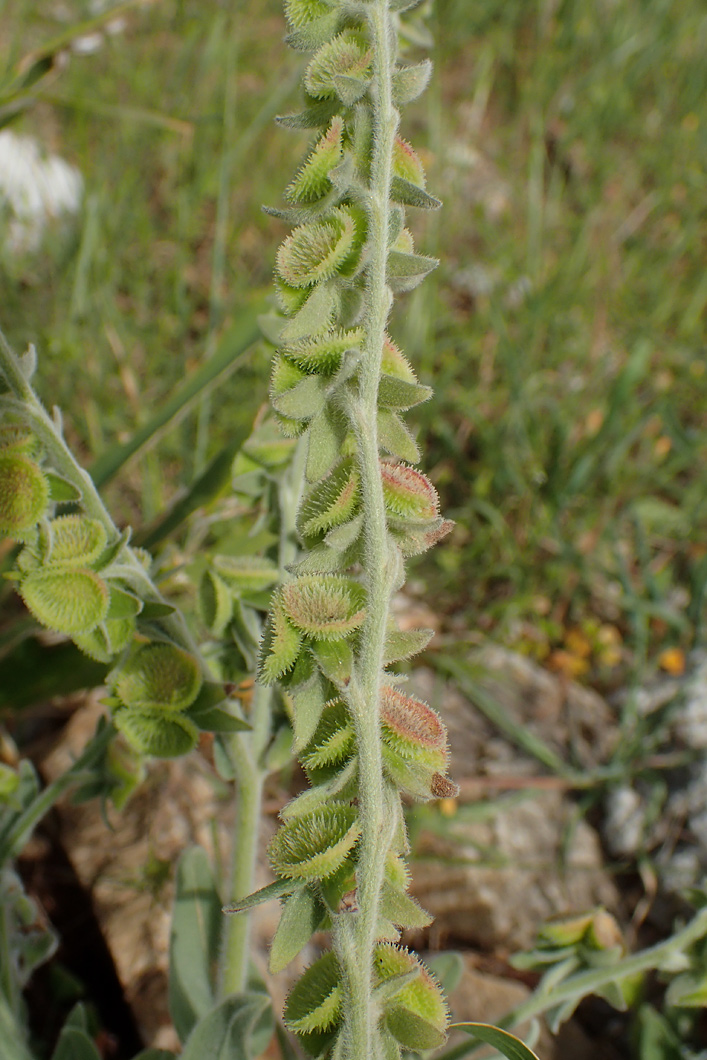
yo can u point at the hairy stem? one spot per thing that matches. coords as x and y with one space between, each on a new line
356 947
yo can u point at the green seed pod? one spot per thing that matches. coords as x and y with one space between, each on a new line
318 250
300 12
312 181
152 732
323 353
247 574
158 677
345 55
280 645
331 502
406 163
395 363
24 495
417 1014
412 729
108 639
285 376
16 438
313 1007
325 607
290 299
408 493
75 541
68 601
334 740
315 845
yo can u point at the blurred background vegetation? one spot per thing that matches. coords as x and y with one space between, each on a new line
563 331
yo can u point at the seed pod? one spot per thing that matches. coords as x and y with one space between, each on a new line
68 601
152 732
16 438
331 502
312 181
345 55
280 645
323 353
158 677
408 493
313 1007
75 541
406 163
318 250
325 607
24 495
315 845
417 1014
300 12
333 741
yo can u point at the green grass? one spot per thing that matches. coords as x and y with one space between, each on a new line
564 331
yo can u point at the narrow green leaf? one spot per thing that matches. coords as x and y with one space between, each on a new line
511 1047
75 1044
301 915
309 701
315 316
326 435
410 194
404 643
303 401
215 719
123 604
194 942
312 118
278 889
406 271
397 393
60 489
229 355
395 437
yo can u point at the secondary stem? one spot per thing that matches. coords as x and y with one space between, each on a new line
355 939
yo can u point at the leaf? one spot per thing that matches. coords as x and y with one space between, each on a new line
216 719
395 437
406 271
301 915
326 435
350 89
335 659
511 1047
60 489
404 191
308 702
400 394
310 36
75 1044
316 315
404 643
239 1028
194 942
122 604
409 82
229 355
302 401
278 889
313 117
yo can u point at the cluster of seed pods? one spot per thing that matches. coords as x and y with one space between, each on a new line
312 640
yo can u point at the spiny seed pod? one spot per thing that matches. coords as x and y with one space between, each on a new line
334 739
152 732
280 645
317 251
75 541
325 607
395 363
331 502
345 55
108 639
416 1015
314 1006
158 677
413 541
16 438
300 12
323 353
408 493
68 601
315 845
312 181
413 728
406 163
24 495
247 574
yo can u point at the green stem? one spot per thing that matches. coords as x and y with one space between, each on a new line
355 937
583 984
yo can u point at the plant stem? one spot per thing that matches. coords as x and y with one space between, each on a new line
355 934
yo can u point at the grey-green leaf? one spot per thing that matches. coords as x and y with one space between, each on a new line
315 316
302 401
397 393
409 82
395 438
237 1029
511 1047
301 915
194 942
